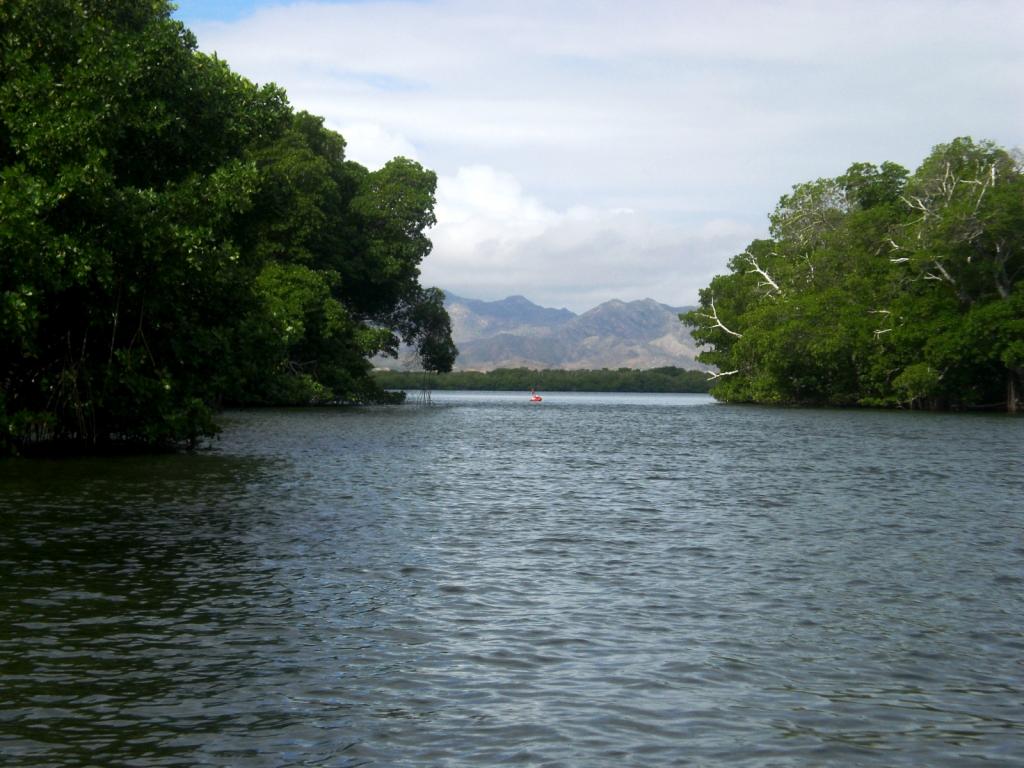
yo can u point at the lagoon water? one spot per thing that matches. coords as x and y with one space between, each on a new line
598 580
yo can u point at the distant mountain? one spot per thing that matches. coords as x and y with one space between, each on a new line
616 334
517 315
515 332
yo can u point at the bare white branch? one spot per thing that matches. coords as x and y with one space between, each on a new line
988 183
949 182
766 279
712 376
917 204
888 314
718 322
944 274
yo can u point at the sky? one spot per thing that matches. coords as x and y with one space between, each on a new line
589 150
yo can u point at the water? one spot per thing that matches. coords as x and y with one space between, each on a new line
599 580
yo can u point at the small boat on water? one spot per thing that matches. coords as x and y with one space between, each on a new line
534 397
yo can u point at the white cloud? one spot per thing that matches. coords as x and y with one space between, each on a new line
371 144
695 116
492 236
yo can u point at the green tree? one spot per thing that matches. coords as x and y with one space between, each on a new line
964 249
879 287
122 170
353 241
174 237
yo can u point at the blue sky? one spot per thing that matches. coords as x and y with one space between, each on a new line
591 149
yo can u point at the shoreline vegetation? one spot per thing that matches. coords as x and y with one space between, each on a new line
880 288
655 380
177 239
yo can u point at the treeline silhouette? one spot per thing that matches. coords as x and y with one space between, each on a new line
666 379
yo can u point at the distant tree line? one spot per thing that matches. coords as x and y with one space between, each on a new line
668 379
880 287
174 238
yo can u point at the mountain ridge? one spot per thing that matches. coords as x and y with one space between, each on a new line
514 332
476 318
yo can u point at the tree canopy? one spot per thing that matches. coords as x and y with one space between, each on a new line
174 238
880 287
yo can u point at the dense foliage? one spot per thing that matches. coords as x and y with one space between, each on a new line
669 379
880 287
174 237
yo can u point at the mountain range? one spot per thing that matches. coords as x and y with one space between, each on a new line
514 332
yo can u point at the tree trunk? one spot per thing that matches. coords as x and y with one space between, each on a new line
1014 389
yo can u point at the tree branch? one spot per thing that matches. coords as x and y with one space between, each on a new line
767 279
719 323
880 331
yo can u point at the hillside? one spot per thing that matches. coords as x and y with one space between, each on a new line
514 332
516 315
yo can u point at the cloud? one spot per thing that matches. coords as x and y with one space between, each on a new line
492 239
375 144
694 116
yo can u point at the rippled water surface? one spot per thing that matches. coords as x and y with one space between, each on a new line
593 581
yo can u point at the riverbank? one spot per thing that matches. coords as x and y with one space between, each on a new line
654 380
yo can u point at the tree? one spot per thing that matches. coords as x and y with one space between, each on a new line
352 241
966 241
879 287
174 237
122 171
424 323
